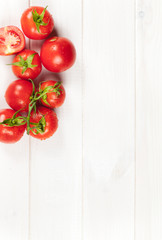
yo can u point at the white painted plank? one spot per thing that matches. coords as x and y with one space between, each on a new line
108 34
149 119
13 157
55 200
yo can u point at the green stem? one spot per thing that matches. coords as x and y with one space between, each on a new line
31 106
35 97
14 121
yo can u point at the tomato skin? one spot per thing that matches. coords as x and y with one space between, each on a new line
51 122
18 94
12 40
29 27
53 99
30 73
57 54
10 134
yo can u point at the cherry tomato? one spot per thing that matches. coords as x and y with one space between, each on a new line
12 40
37 22
47 123
58 54
10 134
19 94
55 95
27 64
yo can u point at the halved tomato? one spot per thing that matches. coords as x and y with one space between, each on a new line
12 40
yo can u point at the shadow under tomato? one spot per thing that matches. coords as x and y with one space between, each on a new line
54 33
46 75
37 44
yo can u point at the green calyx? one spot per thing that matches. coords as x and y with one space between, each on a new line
25 64
14 121
44 98
38 19
39 127
55 88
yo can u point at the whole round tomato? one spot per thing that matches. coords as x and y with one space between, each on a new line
27 64
12 40
10 133
46 123
53 94
19 94
58 54
37 22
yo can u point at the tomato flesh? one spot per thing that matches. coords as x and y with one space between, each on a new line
11 40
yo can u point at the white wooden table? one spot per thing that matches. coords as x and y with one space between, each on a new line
100 176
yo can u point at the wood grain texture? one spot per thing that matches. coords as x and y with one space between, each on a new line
149 119
56 164
108 35
13 157
81 183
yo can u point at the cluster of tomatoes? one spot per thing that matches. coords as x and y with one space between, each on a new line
32 109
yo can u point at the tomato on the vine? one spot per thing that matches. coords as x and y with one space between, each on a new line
43 123
53 94
12 126
37 22
12 40
58 54
19 94
27 64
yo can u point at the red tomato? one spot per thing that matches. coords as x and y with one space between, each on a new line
58 54
27 64
10 134
11 40
37 22
18 94
55 96
47 123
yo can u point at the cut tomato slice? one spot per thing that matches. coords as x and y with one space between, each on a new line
12 40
